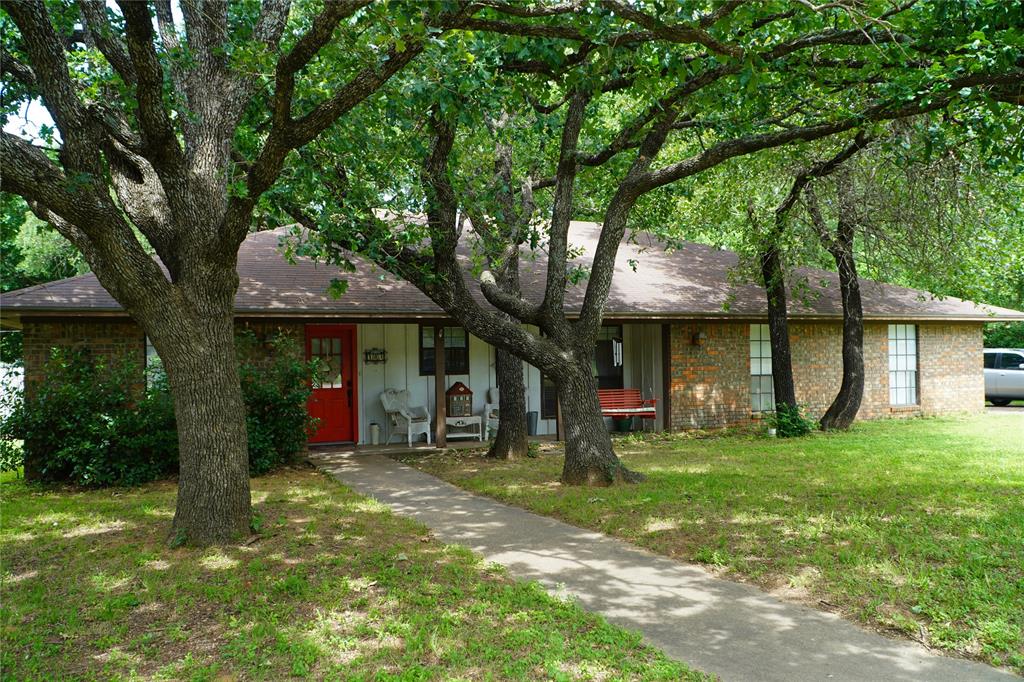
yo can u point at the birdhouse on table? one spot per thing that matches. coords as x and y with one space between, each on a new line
460 400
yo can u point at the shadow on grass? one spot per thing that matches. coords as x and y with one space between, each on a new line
333 586
911 527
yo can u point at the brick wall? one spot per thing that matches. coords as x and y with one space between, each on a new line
950 370
119 341
112 340
817 349
711 381
266 330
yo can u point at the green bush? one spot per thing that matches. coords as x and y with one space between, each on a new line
1004 335
789 421
87 425
84 424
11 455
275 387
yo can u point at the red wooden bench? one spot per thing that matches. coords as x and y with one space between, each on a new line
625 402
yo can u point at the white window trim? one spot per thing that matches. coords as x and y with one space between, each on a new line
760 342
903 366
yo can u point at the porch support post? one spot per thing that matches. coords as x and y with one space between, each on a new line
666 376
559 422
440 428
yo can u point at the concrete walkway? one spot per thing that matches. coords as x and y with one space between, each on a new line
735 631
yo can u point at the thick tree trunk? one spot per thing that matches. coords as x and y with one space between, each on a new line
589 457
510 443
213 486
33 462
778 327
844 407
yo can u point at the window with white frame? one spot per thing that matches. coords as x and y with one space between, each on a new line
902 364
762 392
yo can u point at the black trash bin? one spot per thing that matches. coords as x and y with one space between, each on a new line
532 418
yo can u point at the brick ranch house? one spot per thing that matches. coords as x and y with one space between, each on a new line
675 328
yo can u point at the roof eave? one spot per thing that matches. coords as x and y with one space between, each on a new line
13 317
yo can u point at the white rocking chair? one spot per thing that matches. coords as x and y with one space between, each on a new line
405 420
491 412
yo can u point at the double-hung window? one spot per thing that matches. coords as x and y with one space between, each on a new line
902 364
762 392
456 350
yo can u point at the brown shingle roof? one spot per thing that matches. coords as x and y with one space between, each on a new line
691 282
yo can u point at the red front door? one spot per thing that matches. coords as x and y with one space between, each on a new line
333 400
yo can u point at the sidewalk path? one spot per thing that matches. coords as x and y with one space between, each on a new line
730 629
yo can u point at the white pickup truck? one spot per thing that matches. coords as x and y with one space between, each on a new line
1004 375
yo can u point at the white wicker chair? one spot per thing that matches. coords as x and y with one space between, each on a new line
491 412
405 420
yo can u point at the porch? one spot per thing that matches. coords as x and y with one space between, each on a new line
318 452
378 356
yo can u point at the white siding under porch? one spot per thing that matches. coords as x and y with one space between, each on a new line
641 369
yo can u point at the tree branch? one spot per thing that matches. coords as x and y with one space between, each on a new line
819 170
817 219
674 33
80 149
94 13
158 137
272 21
90 221
171 42
442 220
19 71
616 214
534 30
518 10
562 205
307 47
883 111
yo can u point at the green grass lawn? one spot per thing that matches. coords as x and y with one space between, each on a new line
334 586
911 526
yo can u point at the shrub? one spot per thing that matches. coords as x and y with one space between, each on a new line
789 421
275 386
1004 335
11 455
86 425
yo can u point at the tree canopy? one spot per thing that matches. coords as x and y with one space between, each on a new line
616 105
178 127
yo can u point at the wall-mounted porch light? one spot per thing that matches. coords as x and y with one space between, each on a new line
699 338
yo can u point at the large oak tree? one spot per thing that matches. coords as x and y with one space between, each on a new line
636 101
927 203
169 130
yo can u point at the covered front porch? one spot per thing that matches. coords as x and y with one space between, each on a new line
371 358
319 451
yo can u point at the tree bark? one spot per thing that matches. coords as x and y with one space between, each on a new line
589 457
778 327
844 407
773 277
510 443
213 503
